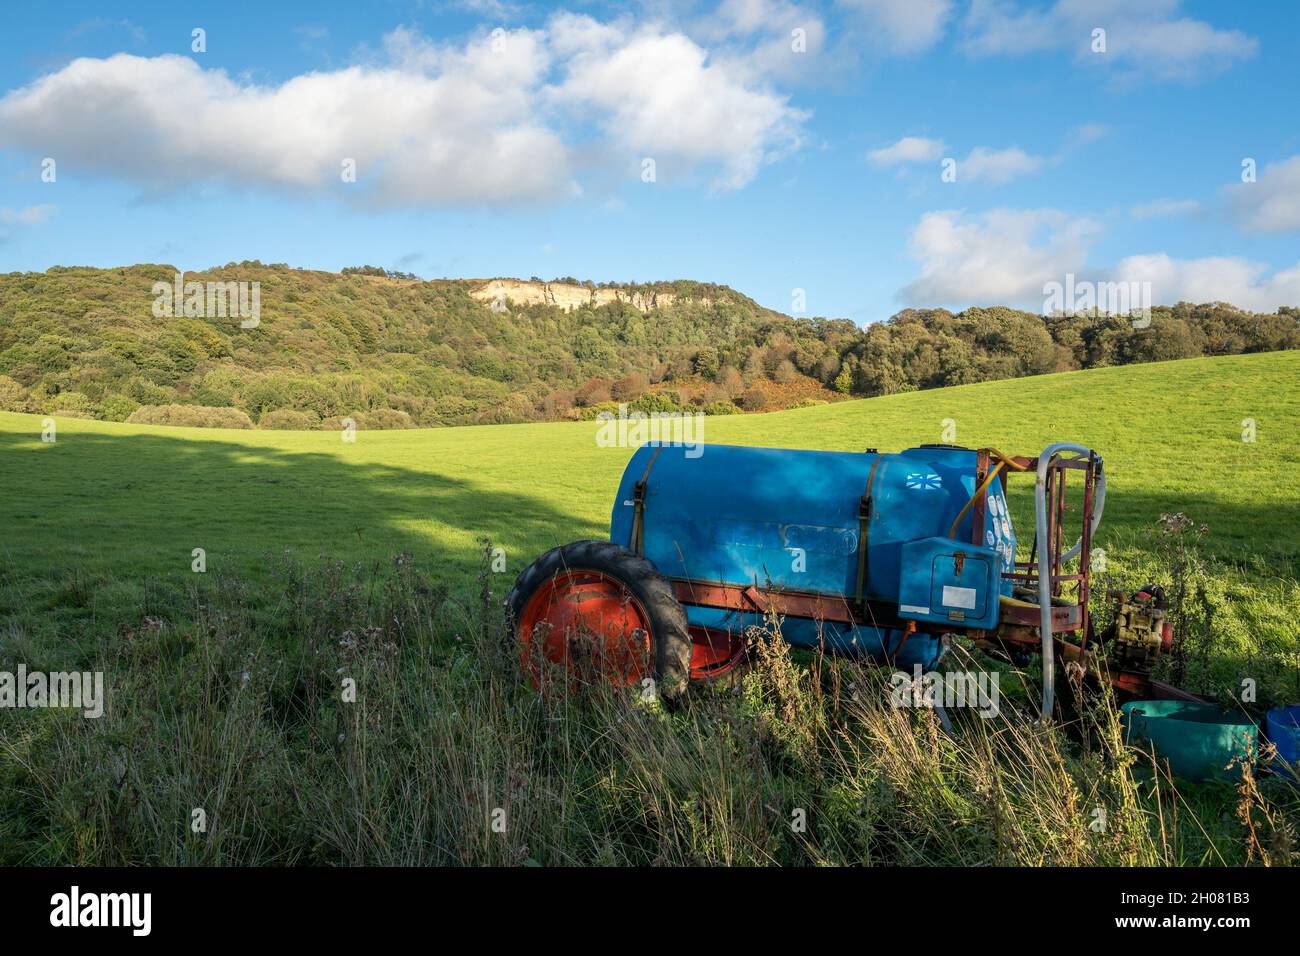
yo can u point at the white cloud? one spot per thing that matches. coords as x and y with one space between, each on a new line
1146 36
1085 135
493 121
909 149
1181 48
906 26
1163 208
29 216
982 164
997 166
1003 256
1272 202
995 27
465 133
748 16
1216 279
1006 256
658 95
758 38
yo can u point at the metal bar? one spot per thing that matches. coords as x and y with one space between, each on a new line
1049 496
821 607
1031 464
1058 535
1085 552
1165 691
1065 617
979 512
1058 586
1030 576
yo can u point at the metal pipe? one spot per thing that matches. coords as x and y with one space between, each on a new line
1045 564
1097 508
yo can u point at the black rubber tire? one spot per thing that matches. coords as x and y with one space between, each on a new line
670 638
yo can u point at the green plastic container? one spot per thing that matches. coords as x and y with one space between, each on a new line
1198 740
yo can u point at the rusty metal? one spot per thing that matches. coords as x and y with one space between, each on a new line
980 512
1065 618
758 599
819 607
1085 552
1056 526
1162 691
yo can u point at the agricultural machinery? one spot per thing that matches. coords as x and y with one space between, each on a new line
884 556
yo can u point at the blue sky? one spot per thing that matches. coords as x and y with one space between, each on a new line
499 139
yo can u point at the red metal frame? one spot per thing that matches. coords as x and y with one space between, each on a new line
819 607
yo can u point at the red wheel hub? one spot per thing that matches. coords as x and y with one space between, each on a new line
714 653
590 624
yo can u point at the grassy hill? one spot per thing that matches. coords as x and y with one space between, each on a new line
95 565
132 498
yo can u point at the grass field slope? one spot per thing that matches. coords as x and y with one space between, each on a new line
1215 439
98 531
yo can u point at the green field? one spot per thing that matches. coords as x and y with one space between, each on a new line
98 529
130 500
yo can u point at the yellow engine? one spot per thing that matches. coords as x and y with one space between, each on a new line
1140 632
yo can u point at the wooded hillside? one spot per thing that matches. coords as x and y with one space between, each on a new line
397 352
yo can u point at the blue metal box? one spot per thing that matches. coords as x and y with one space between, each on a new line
946 582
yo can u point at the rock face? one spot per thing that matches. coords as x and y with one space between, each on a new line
501 292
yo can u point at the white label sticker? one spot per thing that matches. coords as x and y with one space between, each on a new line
958 597
912 609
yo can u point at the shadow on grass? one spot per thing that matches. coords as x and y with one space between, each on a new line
98 520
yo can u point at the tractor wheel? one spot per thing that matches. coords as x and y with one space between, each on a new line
601 614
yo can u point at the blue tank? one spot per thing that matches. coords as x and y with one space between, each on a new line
789 521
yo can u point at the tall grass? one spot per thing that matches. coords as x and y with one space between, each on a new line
233 705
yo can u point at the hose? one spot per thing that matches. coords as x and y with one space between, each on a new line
1002 460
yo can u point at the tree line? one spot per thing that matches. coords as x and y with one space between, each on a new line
390 351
